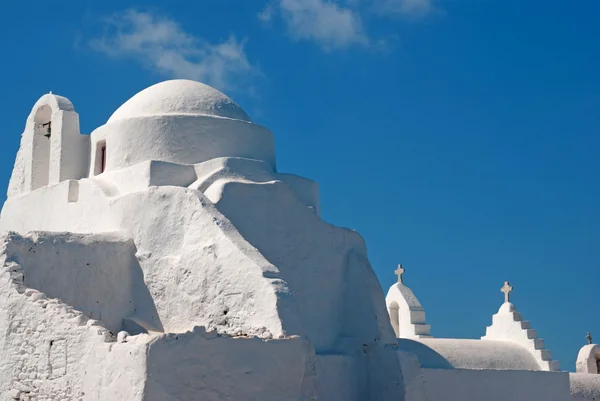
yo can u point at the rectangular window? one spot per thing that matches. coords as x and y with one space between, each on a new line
103 156
100 157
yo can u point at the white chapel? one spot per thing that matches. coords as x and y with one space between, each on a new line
164 257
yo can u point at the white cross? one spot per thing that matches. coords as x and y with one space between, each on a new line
507 289
399 272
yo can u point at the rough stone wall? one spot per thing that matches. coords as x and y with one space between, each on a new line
42 343
46 346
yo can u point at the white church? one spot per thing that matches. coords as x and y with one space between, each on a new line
164 257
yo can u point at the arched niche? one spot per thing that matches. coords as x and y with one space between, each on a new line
40 151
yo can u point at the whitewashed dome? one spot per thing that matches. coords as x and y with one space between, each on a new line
179 97
182 122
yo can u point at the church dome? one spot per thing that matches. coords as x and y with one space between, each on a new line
179 97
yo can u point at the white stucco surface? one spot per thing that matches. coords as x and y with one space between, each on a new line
179 96
406 313
49 349
588 359
508 325
185 247
443 353
584 387
495 385
52 149
204 366
98 275
164 258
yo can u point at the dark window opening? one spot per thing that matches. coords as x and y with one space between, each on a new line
103 159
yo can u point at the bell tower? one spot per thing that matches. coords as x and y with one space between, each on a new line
52 150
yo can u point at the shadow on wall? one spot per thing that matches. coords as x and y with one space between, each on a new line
98 275
41 147
312 257
426 356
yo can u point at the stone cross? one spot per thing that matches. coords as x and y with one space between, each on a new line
507 289
589 337
399 272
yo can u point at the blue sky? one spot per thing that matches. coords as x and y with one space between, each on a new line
459 137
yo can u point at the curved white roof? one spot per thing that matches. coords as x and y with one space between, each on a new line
56 102
179 97
441 353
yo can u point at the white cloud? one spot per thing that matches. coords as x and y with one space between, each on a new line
335 24
409 8
161 44
322 21
266 15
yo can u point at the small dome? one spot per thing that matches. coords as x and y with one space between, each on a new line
179 97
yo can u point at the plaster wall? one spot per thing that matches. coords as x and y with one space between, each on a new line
241 251
146 174
335 291
369 375
342 377
70 149
47 348
337 296
94 205
306 190
199 270
495 385
241 169
181 139
17 183
97 275
75 206
414 385
229 168
116 371
584 387
206 367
